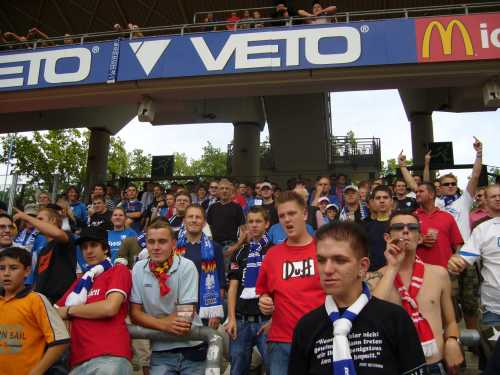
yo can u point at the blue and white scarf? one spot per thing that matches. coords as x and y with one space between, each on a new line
449 199
254 261
342 324
79 294
209 294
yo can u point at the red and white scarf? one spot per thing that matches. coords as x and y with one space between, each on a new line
409 301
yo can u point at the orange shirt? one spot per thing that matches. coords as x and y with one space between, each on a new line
28 325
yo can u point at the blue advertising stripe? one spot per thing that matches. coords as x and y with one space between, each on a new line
368 43
55 66
274 49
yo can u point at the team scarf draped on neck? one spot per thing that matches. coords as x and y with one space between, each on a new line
409 301
449 199
342 325
78 295
160 271
209 294
254 261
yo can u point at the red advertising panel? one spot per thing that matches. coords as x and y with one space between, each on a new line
458 38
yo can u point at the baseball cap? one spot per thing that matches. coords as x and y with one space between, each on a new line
323 199
266 184
97 234
332 205
3 206
351 187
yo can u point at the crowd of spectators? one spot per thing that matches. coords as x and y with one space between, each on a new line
270 268
280 16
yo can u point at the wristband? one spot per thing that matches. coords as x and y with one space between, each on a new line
453 337
479 154
68 314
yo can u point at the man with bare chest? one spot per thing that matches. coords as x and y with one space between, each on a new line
423 290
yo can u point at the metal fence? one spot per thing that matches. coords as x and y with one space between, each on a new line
463 9
355 152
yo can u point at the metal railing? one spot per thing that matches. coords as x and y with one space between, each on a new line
463 9
206 334
355 152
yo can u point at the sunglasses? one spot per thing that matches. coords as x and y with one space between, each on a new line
449 184
401 226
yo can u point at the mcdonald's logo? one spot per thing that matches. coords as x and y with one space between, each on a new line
446 35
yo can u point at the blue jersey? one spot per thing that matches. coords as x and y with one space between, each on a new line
80 212
115 239
134 206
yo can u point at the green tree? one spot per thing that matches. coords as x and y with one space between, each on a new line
213 162
182 165
139 164
117 158
43 154
391 166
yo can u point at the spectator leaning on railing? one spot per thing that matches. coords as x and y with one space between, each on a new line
319 12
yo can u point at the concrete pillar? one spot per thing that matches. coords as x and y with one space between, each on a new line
245 161
97 161
421 135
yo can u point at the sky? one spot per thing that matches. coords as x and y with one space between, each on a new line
367 113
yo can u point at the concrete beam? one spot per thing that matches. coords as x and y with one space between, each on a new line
97 161
299 129
245 161
245 109
109 118
421 135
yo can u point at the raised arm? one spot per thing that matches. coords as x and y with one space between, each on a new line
34 31
410 181
46 228
476 169
427 170
304 13
332 9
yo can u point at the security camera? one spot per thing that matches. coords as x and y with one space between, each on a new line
146 112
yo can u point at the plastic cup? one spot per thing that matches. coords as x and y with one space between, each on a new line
185 312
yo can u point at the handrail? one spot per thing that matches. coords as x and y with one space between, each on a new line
181 29
206 334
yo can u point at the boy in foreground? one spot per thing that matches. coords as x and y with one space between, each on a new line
346 335
32 335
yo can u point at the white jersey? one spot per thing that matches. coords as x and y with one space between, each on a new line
484 243
460 210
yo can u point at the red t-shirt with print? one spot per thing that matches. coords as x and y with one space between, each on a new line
289 274
91 338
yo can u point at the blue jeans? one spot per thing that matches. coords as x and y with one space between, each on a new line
490 318
165 363
240 350
278 354
106 365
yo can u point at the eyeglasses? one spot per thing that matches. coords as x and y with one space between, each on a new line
5 227
449 184
401 226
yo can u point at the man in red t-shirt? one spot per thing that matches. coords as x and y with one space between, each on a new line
97 305
288 282
440 233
